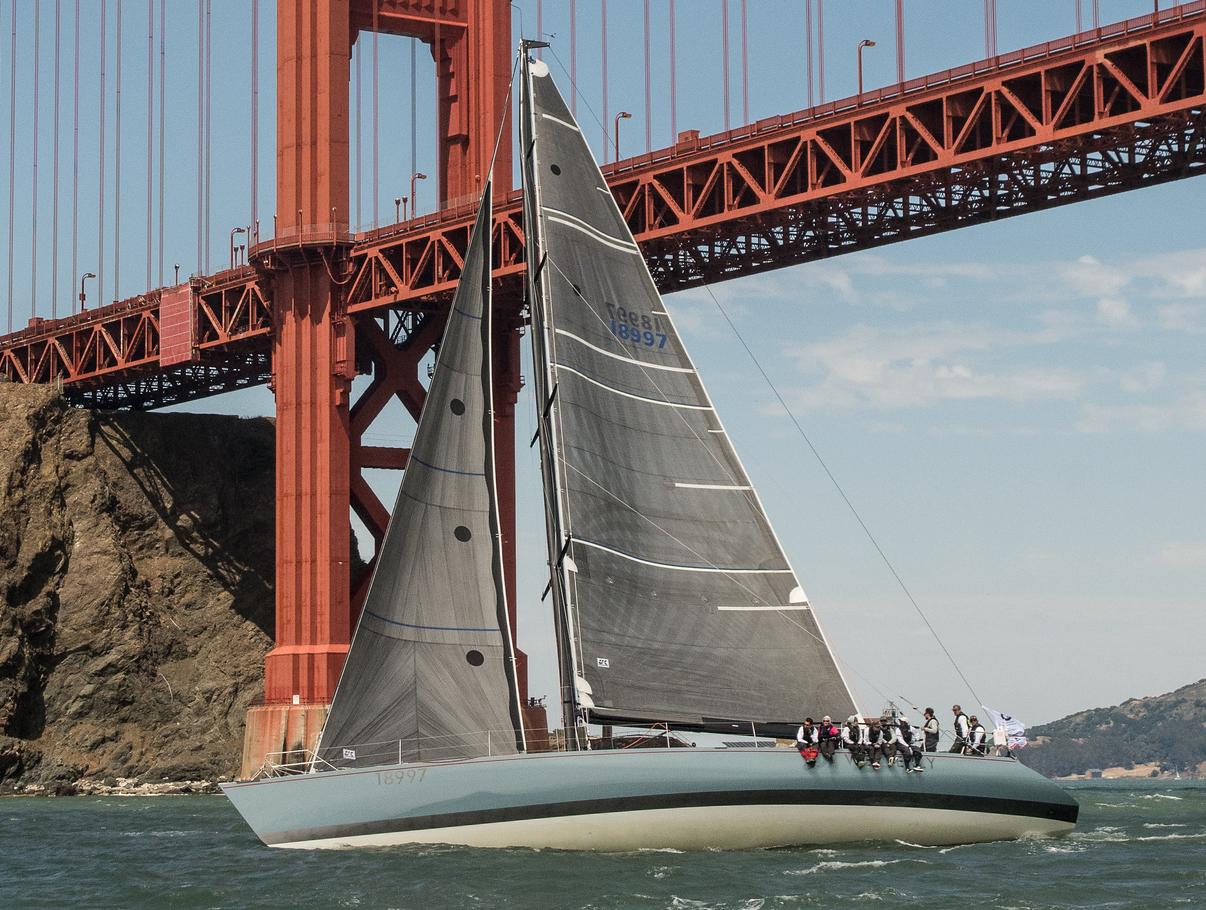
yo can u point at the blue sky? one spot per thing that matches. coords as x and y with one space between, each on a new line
1017 410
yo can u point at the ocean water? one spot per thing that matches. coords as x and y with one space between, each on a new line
1139 845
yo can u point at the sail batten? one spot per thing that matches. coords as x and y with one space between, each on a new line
676 600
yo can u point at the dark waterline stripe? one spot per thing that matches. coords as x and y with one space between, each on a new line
985 804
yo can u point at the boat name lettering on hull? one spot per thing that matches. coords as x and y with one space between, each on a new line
408 776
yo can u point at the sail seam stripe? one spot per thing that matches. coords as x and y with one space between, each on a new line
666 404
447 470
463 313
411 625
621 357
568 126
712 486
670 565
599 236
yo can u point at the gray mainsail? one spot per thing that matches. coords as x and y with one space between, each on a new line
430 671
676 602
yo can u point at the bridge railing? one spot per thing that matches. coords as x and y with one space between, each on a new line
1036 52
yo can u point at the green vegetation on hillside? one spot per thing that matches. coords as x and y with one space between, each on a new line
1168 729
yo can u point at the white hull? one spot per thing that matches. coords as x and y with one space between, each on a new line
721 828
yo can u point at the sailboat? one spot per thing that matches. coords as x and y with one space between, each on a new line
674 602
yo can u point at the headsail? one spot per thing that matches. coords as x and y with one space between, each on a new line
676 599
430 674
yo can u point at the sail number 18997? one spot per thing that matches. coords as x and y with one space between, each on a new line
407 776
638 328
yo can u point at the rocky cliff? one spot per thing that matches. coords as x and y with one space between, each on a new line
1166 732
136 566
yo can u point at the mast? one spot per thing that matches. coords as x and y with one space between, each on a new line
556 529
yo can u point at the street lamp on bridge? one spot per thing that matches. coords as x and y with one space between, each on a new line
85 277
866 42
414 201
234 231
623 115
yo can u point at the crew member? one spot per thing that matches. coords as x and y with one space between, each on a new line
930 730
806 742
828 738
961 728
908 744
852 739
874 739
976 744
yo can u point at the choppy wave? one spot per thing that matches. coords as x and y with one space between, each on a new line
832 865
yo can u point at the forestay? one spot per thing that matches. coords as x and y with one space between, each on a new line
430 674
676 594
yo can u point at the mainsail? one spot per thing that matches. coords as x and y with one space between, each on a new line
430 672
675 599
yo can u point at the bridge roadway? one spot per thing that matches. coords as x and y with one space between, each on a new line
1117 108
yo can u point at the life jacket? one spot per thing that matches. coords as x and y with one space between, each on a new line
906 734
965 726
972 738
829 731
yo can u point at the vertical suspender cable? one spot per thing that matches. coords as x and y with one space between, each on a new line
821 49
745 65
100 253
574 57
54 244
12 161
900 41
1079 27
606 137
150 140
200 136
255 121
75 168
990 28
724 42
33 287
358 50
162 82
117 170
376 101
539 27
648 89
209 86
673 83
808 44
414 110
1096 16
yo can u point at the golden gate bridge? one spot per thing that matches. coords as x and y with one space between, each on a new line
311 303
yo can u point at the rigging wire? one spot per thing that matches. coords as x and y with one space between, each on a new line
12 161
841 492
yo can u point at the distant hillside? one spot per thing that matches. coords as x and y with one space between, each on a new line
1169 730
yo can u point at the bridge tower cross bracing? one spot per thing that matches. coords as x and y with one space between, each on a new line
319 455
